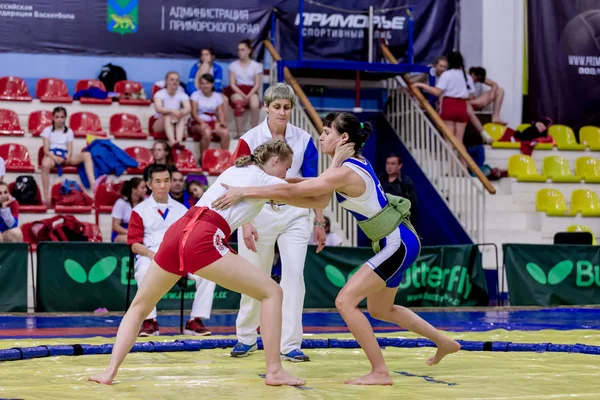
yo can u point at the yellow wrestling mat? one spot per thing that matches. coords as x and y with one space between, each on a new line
213 374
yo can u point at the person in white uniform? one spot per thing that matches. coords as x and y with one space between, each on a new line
172 110
147 226
383 218
288 226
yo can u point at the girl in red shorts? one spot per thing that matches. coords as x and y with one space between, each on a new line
197 244
454 87
245 78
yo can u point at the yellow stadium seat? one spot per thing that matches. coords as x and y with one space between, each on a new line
590 136
557 169
496 131
552 202
588 168
583 228
586 202
523 168
522 127
565 138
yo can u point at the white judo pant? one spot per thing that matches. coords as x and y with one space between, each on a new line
290 228
205 289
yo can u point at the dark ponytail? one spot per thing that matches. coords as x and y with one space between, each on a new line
344 122
456 61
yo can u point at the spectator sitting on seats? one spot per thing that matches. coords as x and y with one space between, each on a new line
147 226
162 153
177 191
2 169
208 114
245 80
133 192
207 65
394 182
494 95
196 190
9 216
172 108
58 151
440 64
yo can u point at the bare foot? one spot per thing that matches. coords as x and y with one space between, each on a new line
281 378
499 121
372 378
449 347
104 377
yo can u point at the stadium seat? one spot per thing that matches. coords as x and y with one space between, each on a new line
9 123
16 158
26 238
496 131
126 126
13 88
586 202
39 208
215 161
92 231
59 209
131 87
52 90
522 127
38 121
155 88
588 168
67 169
590 136
523 168
564 138
552 202
184 161
142 155
156 135
583 228
106 196
557 169
83 123
85 84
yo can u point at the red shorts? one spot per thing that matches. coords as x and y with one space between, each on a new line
453 109
228 91
195 241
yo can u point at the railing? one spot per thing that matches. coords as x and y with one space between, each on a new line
304 116
439 157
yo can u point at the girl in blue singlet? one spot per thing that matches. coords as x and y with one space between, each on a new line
358 190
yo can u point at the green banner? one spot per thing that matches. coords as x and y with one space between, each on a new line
13 277
442 276
87 276
551 275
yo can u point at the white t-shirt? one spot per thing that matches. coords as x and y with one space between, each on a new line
245 75
207 104
58 138
122 210
452 82
171 102
247 209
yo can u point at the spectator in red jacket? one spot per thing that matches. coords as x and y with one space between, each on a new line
9 216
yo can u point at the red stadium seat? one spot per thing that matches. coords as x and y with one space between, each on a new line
155 88
26 238
88 83
55 193
92 232
38 121
13 88
215 161
52 90
126 126
9 123
184 161
130 87
142 155
106 196
67 169
16 157
84 123
39 208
